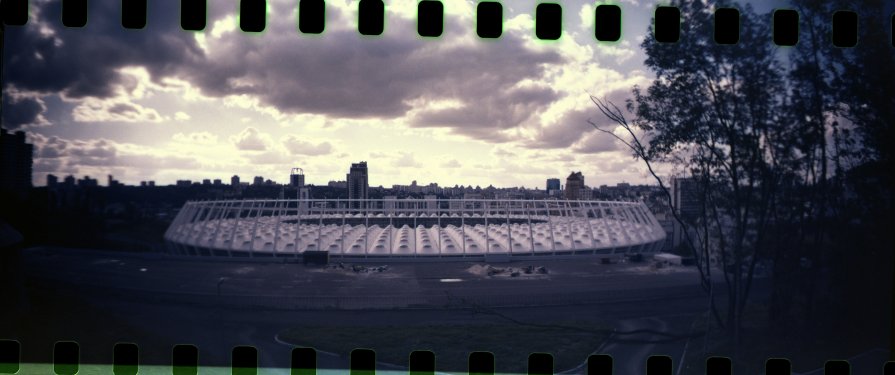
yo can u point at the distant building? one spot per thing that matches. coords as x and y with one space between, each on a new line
184 183
258 181
685 197
113 182
88 182
358 183
234 181
151 183
69 181
297 178
217 182
574 184
338 184
206 182
52 180
16 160
553 186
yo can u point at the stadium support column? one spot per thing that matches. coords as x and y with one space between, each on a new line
531 234
217 230
319 224
236 227
342 239
416 249
463 224
569 224
202 220
625 213
486 207
509 231
439 228
550 224
390 234
590 227
297 226
276 231
366 234
258 215
606 224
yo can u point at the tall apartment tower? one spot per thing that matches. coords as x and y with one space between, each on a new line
16 160
553 186
574 184
685 197
297 178
358 182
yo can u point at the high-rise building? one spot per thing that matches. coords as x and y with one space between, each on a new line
574 184
358 183
297 177
297 180
217 182
206 182
113 182
52 180
259 180
685 197
553 186
234 181
88 182
16 160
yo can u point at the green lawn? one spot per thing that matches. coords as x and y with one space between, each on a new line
510 343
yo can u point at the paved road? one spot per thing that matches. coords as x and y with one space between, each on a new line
128 287
292 286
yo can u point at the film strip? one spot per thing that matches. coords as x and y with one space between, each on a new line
184 360
114 354
430 22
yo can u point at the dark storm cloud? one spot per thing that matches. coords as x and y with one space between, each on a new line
343 75
495 108
338 74
81 62
21 111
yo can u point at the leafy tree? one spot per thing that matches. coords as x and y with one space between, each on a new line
771 137
715 109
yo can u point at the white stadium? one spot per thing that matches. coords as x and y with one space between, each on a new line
414 229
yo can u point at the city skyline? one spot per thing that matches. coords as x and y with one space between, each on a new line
236 180
181 103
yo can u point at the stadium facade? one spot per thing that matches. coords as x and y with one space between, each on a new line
385 230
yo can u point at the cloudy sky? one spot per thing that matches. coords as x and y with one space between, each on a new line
165 104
